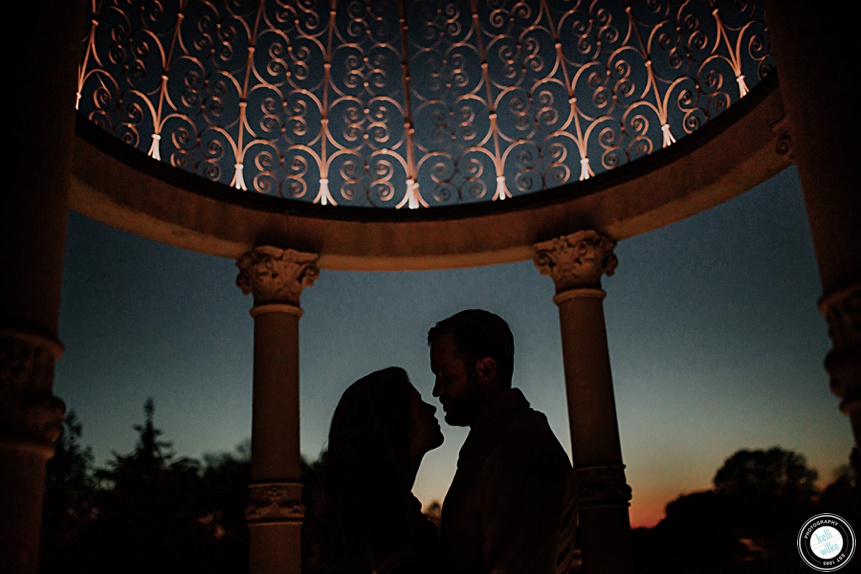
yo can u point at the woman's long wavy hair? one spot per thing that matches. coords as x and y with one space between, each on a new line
364 473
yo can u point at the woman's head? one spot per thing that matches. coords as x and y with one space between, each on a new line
380 430
381 425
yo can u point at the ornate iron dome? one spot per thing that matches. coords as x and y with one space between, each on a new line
413 103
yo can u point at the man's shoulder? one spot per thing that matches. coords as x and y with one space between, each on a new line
525 418
526 431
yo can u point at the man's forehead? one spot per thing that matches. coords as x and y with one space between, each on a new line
445 345
445 353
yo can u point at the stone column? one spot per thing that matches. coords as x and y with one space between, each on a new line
44 41
275 512
576 263
812 42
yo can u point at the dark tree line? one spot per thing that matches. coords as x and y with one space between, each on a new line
147 510
151 511
748 522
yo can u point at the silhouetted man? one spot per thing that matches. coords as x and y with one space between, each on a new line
512 506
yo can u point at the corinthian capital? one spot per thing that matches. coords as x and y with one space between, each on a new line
576 261
276 275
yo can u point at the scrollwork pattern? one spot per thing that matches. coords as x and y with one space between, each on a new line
344 102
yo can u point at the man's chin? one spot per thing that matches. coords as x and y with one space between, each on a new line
453 419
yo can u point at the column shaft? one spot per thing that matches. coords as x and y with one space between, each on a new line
576 263
275 540
589 385
275 418
604 527
45 38
812 43
275 511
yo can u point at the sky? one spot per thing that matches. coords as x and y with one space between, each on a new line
715 344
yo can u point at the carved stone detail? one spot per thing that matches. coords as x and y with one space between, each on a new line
576 261
603 486
30 415
783 145
276 275
842 310
275 502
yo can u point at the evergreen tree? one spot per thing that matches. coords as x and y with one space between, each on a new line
70 495
151 510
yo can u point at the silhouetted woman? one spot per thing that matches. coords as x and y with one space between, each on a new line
366 518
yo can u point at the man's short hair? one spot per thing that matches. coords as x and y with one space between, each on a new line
479 334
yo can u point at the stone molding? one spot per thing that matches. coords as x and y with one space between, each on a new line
783 145
576 261
275 502
603 485
842 310
584 293
266 308
276 275
31 417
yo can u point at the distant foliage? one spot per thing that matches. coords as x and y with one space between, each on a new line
772 472
70 498
150 511
749 522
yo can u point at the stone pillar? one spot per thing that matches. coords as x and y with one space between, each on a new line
275 512
576 263
44 41
812 42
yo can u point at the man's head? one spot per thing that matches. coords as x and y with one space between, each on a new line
472 357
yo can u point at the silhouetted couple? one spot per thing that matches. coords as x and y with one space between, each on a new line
511 507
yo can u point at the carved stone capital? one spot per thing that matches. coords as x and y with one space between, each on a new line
576 261
276 275
603 486
842 310
30 415
271 502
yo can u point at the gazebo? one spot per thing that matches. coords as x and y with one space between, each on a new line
295 137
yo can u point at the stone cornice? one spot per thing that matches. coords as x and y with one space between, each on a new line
576 261
276 275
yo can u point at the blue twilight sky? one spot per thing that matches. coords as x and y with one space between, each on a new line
714 336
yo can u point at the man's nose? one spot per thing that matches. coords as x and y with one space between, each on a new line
436 388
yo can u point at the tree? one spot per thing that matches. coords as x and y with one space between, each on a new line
769 494
225 478
150 510
843 495
752 473
70 494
